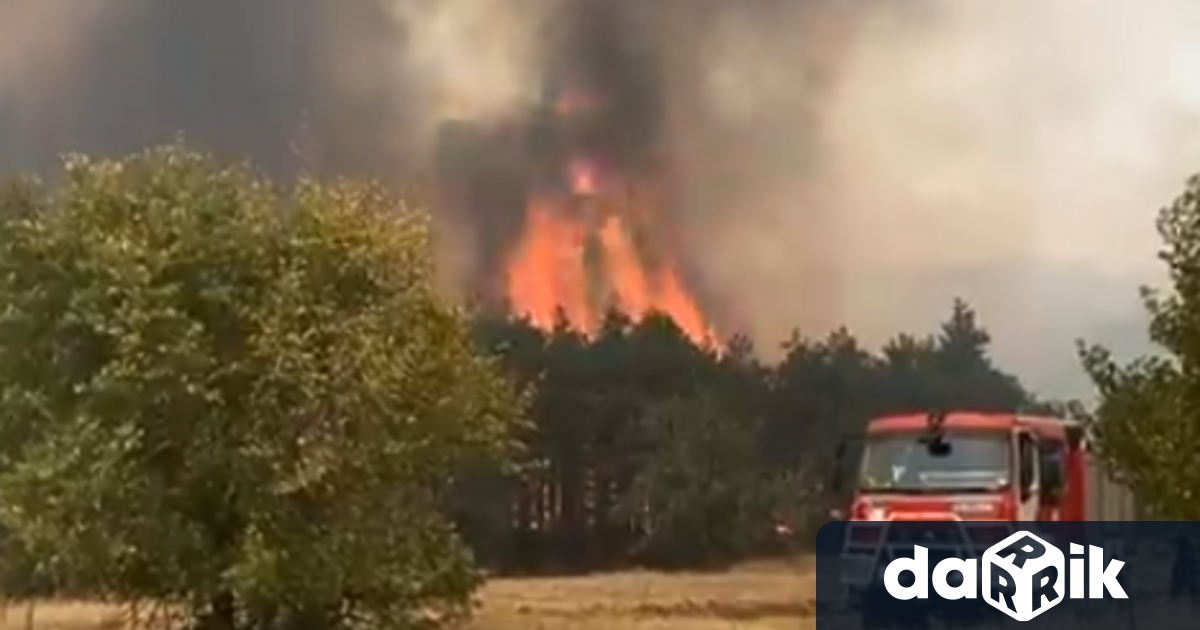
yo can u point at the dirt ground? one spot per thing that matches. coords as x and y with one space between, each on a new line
769 596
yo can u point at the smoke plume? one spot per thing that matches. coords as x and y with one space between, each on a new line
1011 152
829 161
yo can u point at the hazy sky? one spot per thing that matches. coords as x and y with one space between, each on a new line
855 161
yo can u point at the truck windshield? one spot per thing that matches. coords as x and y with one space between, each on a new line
903 462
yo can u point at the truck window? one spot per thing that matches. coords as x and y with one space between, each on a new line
975 460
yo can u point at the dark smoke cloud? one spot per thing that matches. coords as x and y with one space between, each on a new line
601 48
349 87
237 78
604 54
830 161
460 91
646 63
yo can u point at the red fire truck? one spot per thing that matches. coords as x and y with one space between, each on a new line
978 473
968 466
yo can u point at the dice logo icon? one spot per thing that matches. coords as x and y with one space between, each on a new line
1023 576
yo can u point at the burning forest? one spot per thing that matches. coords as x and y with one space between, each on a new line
585 173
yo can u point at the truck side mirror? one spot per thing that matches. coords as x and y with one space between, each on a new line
937 446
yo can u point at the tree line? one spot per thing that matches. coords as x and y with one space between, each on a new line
246 403
645 448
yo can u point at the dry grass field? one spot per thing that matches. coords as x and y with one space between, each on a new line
754 597
773 596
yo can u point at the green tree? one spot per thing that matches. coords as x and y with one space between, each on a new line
965 376
823 391
243 400
703 495
1146 425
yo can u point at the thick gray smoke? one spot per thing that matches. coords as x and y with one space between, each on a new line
355 86
1011 152
833 160
276 80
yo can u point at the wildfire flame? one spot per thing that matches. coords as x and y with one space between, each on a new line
548 269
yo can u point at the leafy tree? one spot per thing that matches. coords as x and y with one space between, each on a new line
239 399
966 375
911 361
823 391
1146 425
703 496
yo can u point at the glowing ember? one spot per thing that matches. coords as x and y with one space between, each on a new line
581 175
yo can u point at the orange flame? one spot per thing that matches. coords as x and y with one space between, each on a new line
548 269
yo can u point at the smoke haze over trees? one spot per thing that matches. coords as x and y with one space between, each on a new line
834 163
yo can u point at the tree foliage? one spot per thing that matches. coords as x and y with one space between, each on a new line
701 495
647 449
1146 425
244 400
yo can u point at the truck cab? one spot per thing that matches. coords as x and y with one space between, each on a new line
973 477
960 466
